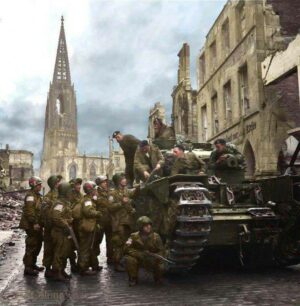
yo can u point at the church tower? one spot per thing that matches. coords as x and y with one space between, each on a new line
60 134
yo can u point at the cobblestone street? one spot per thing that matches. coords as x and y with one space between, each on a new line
210 287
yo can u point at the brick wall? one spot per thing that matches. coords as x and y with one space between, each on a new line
289 12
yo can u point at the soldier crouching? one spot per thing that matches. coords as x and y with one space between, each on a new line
31 223
89 231
140 251
60 233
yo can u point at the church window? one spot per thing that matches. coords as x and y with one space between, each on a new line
93 172
72 172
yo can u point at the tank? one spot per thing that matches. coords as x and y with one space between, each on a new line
197 215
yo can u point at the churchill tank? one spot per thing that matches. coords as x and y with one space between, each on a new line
198 215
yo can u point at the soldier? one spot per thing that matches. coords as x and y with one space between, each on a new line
61 231
147 159
162 133
140 251
48 201
102 205
120 207
222 153
88 231
186 163
75 200
128 144
31 223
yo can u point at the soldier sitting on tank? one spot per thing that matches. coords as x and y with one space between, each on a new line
225 155
186 163
140 250
128 144
164 135
147 160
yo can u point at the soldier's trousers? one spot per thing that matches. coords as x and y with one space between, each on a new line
119 239
153 265
87 252
48 248
107 231
129 172
33 244
62 245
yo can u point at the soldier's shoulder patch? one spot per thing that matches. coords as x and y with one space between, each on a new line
58 207
30 199
129 241
88 203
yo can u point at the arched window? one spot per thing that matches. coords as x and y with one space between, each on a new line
93 172
59 106
72 172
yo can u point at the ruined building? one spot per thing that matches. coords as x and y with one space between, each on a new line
233 100
157 111
60 153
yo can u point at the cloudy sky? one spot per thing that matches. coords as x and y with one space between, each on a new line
123 58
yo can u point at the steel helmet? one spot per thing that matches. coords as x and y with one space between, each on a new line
100 179
35 181
64 189
142 221
117 178
89 186
53 180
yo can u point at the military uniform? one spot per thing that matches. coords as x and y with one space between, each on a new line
32 215
103 206
165 138
129 144
88 228
136 256
48 201
147 161
188 164
122 220
62 240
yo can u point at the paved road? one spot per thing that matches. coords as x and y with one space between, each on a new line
210 287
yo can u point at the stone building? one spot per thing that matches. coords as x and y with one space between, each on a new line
60 153
231 98
157 111
184 109
18 167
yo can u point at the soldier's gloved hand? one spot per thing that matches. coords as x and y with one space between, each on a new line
36 227
158 166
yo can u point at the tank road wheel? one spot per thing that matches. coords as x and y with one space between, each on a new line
191 226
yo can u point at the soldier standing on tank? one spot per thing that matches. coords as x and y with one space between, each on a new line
147 159
122 211
102 205
128 144
162 131
48 201
186 163
139 251
88 230
61 237
75 200
222 152
31 223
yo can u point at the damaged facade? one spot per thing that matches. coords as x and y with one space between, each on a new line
17 166
247 83
157 111
60 153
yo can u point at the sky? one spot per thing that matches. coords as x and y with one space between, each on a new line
123 59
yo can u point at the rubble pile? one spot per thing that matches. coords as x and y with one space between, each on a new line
10 210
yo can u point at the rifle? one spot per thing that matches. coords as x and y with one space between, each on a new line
157 256
73 236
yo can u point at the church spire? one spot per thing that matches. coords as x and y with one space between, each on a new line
62 68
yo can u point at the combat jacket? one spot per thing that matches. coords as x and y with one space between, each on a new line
61 214
89 214
137 245
76 198
188 164
48 201
129 144
121 212
31 211
166 132
229 150
147 161
103 204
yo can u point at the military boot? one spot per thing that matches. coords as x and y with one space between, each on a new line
132 282
37 268
97 268
88 273
66 275
60 277
49 273
30 271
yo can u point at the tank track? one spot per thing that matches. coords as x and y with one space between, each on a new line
193 226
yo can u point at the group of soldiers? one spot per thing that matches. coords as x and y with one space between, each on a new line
72 225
